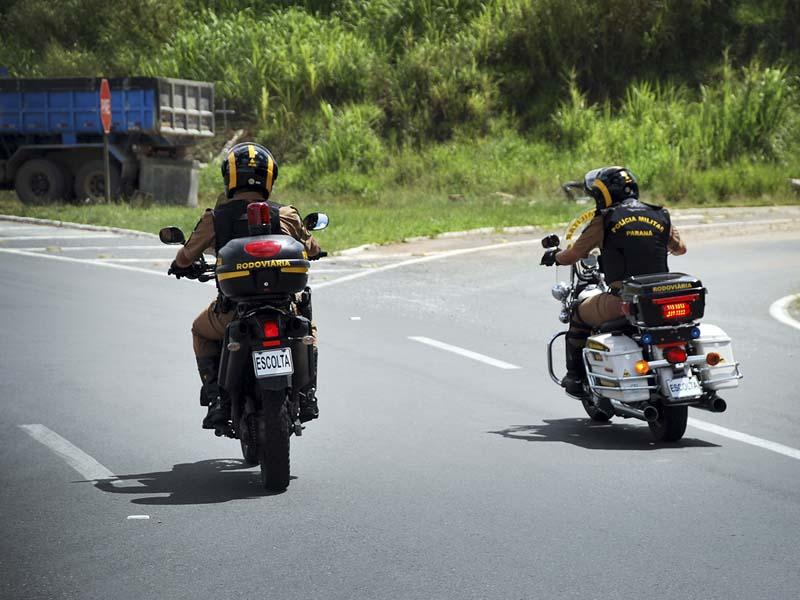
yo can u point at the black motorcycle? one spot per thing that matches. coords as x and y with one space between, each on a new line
268 363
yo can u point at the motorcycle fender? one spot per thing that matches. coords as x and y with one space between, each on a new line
275 383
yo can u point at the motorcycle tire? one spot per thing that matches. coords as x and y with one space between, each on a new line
671 423
274 432
248 438
595 413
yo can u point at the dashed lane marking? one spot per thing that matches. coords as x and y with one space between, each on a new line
76 458
464 352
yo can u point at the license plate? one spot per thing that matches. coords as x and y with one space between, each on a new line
685 387
271 363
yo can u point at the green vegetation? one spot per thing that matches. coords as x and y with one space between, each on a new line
401 103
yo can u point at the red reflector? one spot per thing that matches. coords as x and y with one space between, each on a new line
675 355
271 329
271 343
257 214
264 249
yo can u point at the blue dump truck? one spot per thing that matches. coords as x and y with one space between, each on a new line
51 138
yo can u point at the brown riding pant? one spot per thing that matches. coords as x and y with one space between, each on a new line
598 309
208 331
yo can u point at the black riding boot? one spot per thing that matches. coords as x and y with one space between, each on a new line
219 411
576 371
308 397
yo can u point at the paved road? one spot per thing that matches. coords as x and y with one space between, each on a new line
430 475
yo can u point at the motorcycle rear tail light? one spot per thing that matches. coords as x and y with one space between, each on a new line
675 355
272 334
642 367
257 214
676 307
713 359
262 249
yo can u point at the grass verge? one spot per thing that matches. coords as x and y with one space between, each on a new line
354 220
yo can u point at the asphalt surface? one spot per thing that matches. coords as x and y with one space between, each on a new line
429 474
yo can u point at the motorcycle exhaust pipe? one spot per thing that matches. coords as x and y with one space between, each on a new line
650 413
714 404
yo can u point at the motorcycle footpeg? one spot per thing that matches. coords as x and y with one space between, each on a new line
224 430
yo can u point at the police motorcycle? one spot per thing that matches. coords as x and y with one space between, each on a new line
267 353
657 360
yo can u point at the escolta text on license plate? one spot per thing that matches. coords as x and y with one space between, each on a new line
271 363
685 387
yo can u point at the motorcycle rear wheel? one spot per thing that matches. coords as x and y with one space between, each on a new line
274 433
671 423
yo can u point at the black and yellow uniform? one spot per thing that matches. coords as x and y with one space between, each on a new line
211 232
634 238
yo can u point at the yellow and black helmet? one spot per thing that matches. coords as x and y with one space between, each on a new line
249 166
610 185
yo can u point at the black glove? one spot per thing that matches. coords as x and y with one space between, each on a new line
192 271
318 256
549 257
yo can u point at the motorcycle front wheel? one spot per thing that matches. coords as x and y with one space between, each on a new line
595 413
671 423
274 431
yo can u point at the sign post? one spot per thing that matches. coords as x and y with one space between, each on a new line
105 117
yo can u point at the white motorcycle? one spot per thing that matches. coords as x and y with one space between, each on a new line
656 361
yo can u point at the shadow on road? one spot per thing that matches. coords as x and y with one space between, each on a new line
204 482
595 436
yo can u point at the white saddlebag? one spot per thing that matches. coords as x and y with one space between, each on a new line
611 367
726 373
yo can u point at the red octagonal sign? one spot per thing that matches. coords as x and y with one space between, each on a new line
105 105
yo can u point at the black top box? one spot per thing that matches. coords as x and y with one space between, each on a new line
663 299
262 266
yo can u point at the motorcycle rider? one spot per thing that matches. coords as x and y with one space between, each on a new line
634 239
249 171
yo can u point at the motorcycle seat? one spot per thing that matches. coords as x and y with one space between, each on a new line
615 325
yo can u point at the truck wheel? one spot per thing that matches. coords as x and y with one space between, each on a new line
671 423
90 182
40 181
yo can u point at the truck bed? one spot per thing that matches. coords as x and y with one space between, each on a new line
71 106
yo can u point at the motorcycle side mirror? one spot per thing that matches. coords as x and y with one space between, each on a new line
171 235
550 241
316 221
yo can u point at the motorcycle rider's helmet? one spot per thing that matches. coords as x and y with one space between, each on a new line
610 185
249 166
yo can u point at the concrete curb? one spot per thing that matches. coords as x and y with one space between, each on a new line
80 226
779 310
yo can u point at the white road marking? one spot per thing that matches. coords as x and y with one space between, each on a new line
76 458
738 223
747 439
423 259
60 236
780 311
94 248
138 517
84 261
468 353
